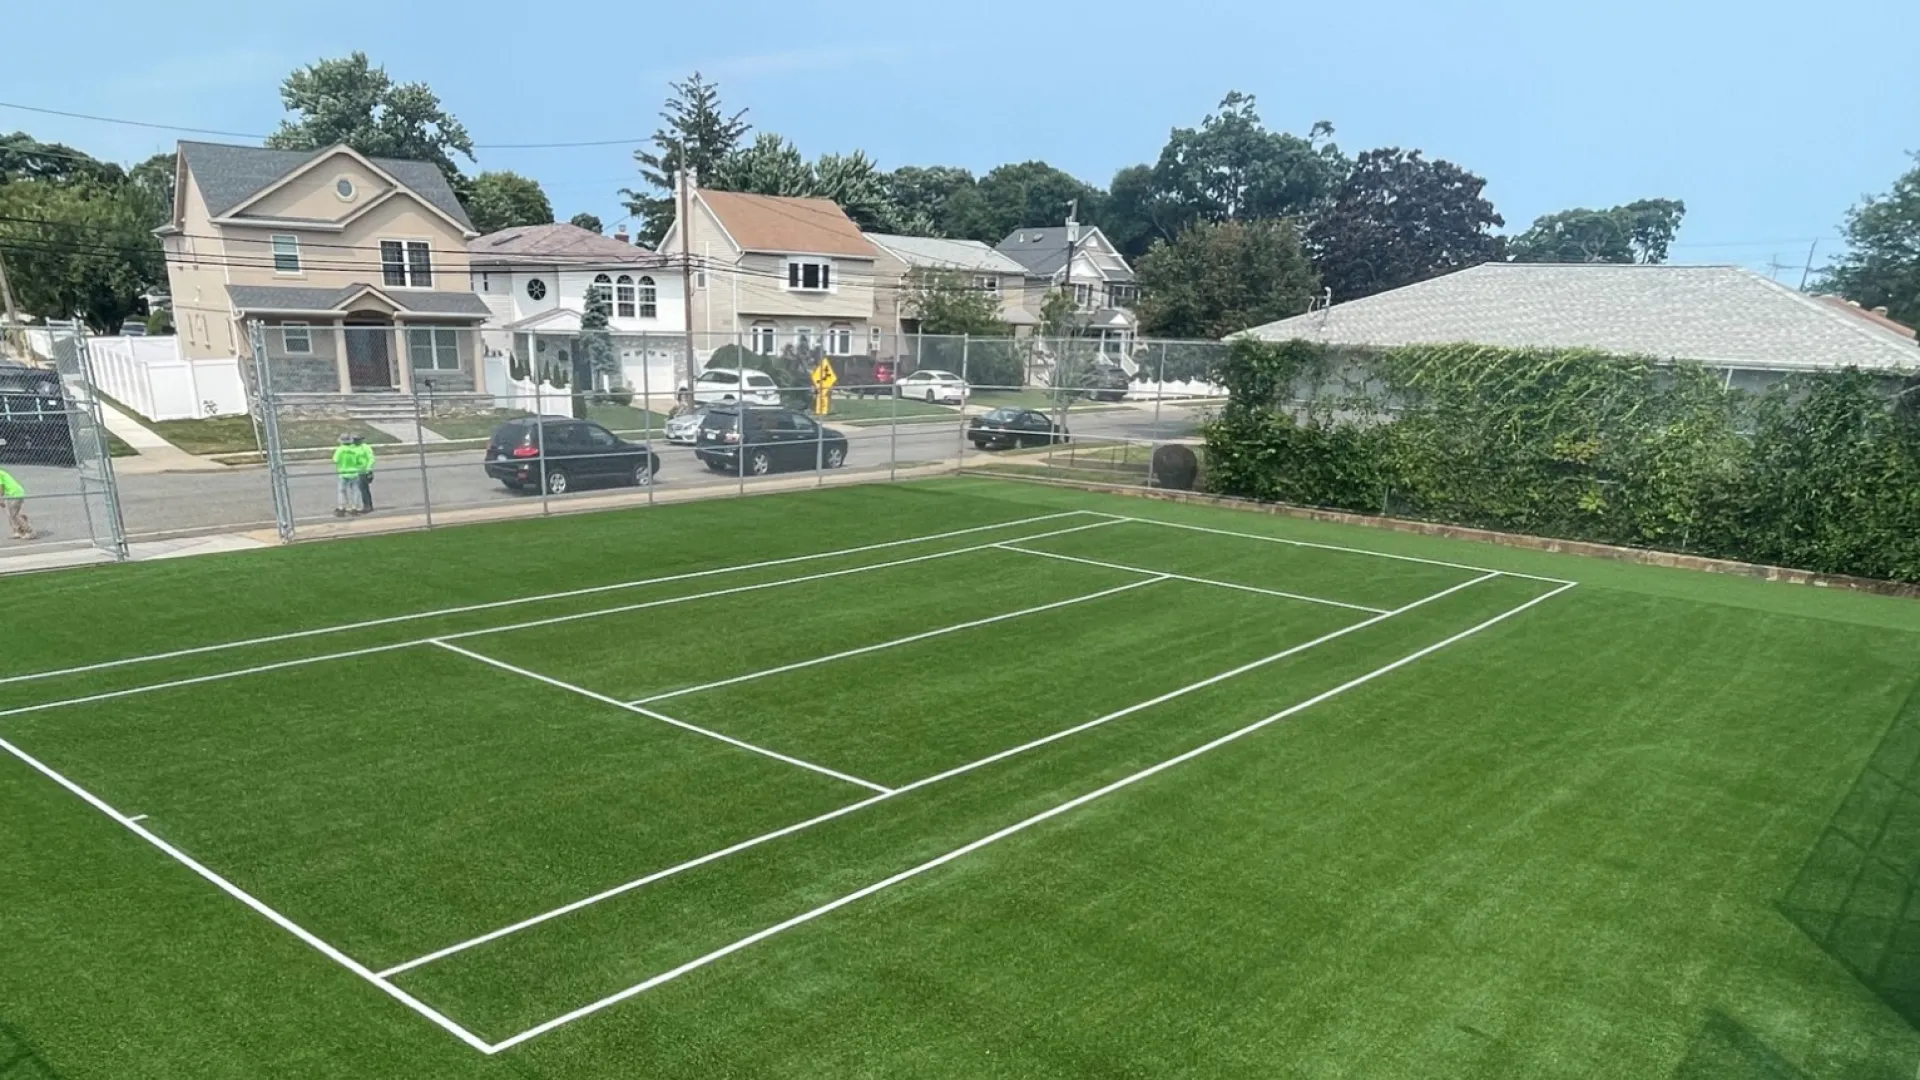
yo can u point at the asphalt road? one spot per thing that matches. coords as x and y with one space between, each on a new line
239 498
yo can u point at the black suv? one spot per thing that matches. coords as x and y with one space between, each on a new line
775 439
34 416
579 453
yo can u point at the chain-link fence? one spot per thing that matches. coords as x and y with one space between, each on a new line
59 488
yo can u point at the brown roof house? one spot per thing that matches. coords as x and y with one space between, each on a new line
772 272
355 266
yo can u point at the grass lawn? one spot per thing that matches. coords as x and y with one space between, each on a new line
627 420
234 434
851 408
963 778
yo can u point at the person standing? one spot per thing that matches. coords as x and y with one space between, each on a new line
346 464
14 497
365 457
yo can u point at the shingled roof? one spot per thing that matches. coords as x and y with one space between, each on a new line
1721 315
230 175
779 223
556 243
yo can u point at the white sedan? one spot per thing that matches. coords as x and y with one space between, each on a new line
941 387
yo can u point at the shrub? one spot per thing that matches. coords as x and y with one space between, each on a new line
1175 466
160 323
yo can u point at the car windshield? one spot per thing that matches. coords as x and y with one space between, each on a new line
1004 416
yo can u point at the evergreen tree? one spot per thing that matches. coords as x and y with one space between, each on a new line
698 134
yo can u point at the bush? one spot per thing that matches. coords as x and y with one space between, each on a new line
735 356
620 395
160 323
1175 466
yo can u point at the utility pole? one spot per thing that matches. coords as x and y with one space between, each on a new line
13 317
1073 239
686 180
1807 271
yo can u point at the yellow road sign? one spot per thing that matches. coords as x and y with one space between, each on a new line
823 376
822 401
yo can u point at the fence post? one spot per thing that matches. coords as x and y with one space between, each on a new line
966 391
267 431
103 450
893 429
540 433
646 410
420 448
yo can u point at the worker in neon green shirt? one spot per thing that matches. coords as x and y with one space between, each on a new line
346 463
14 497
364 452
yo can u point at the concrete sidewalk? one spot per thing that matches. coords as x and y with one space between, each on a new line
155 453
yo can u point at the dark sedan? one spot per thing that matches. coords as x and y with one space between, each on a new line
1005 429
774 439
36 417
571 453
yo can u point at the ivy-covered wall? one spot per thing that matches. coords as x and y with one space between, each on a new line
1820 472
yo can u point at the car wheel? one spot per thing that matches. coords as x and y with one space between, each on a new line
642 474
929 397
557 481
760 463
836 457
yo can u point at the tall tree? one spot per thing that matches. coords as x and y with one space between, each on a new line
78 248
1232 168
925 196
698 134
1882 265
949 302
593 352
1138 212
1398 218
858 185
1638 232
348 100
770 165
1219 278
502 200
23 157
154 179
1024 195
589 222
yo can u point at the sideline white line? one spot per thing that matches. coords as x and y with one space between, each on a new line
1196 580
132 824
663 718
508 628
138 817
908 640
1002 755
491 605
1338 547
995 837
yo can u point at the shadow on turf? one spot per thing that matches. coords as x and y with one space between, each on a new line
1725 1050
18 1059
1855 895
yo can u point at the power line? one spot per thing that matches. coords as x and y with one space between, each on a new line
262 138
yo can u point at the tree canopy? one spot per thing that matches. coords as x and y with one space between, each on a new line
348 100
949 302
1638 232
589 222
1233 168
1882 265
1399 218
1219 278
502 200
1023 195
697 133
77 232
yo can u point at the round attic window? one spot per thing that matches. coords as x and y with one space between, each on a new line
343 187
537 289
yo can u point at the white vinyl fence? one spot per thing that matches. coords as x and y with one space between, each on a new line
149 376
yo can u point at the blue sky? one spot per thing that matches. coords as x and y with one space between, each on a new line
1769 118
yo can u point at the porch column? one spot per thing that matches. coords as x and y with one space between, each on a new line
403 367
338 329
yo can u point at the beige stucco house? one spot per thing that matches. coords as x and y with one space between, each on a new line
772 272
356 266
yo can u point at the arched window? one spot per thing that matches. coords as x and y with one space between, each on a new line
623 297
649 299
603 288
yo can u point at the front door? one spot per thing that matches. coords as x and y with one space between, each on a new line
369 357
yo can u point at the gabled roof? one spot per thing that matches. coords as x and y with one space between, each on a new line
556 243
230 175
935 252
1877 316
779 224
300 298
1721 315
1043 251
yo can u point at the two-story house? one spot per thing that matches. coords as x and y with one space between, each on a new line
356 267
1082 261
535 279
772 272
968 261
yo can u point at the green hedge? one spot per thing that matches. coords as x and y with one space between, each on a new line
1822 471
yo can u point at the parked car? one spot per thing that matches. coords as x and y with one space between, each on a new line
579 453
1008 428
1105 381
36 417
774 439
735 384
683 429
941 387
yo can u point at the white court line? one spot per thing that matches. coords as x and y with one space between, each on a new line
133 825
1337 547
1017 827
491 605
788 830
138 817
1196 580
530 624
663 718
908 640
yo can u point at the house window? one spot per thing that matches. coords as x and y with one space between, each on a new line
700 279
1119 295
296 338
802 338
988 284
602 287
809 275
623 297
286 254
536 289
649 299
840 339
343 189
433 348
419 264
763 339
406 264
1083 295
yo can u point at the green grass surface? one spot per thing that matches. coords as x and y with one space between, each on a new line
849 407
1653 826
234 434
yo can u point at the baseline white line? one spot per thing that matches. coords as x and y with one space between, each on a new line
1196 580
908 640
1338 547
494 604
1002 755
663 718
132 824
1017 827
510 627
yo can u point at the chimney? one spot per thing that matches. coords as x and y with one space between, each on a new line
620 233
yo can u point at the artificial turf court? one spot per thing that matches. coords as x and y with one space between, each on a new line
955 779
